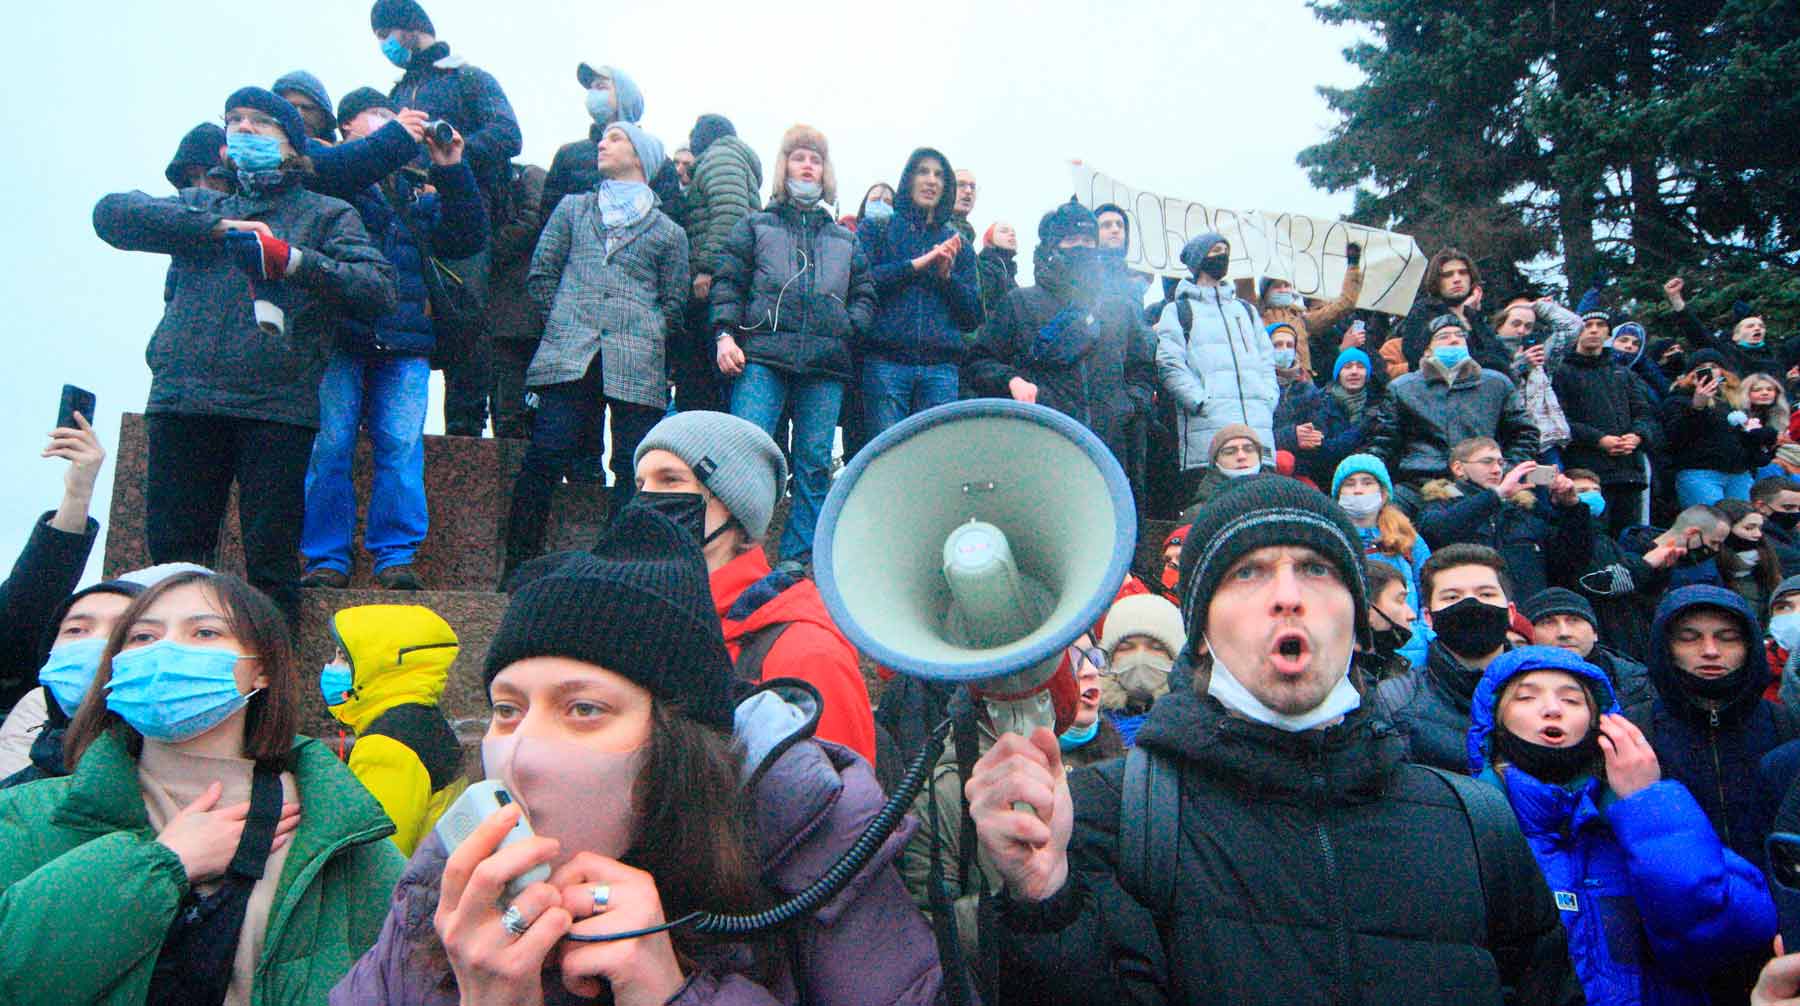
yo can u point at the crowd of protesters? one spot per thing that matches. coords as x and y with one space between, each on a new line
1470 671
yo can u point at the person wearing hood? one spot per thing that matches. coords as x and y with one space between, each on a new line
196 163
1715 447
1285 790
1651 900
384 680
1562 618
1064 343
612 96
1783 645
1711 726
649 797
1546 532
1467 597
610 275
1364 490
1115 249
876 208
1778 500
1630 348
1452 287
1451 397
1612 424
929 294
308 96
720 477
997 264
1140 637
791 295
1279 303
1214 358
441 82
1745 348
234 392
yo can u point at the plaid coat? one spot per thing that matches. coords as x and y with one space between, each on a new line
622 304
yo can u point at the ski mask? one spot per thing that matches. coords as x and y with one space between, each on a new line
1471 627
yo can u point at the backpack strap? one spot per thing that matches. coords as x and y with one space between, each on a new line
755 651
1505 865
1184 313
1149 827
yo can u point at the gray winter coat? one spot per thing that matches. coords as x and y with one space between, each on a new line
621 304
207 357
868 945
1221 371
1428 412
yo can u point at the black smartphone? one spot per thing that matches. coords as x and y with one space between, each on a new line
1533 338
1706 374
74 400
1784 871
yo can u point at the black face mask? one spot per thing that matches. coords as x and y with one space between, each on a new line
1737 544
1713 688
1557 766
1216 266
1697 554
1471 628
1388 641
1784 521
686 509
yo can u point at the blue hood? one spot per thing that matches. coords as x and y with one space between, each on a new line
1665 677
1510 665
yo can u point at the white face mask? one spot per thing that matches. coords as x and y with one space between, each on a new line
1232 694
1238 473
1361 504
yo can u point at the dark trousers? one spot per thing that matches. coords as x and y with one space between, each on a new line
694 365
193 461
512 358
468 380
564 412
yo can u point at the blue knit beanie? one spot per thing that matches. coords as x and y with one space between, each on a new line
649 148
1365 463
276 107
1351 356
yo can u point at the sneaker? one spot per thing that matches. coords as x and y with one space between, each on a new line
325 576
399 577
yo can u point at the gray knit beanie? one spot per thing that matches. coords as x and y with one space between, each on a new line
732 457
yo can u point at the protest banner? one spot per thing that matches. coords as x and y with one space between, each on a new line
1306 251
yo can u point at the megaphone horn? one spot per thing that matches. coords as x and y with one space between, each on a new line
974 542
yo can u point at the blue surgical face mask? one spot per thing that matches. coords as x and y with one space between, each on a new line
805 193
878 211
1594 500
600 106
70 670
1451 357
1075 737
253 152
1786 630
335 683
1284 298
172 692
396 51
1284 358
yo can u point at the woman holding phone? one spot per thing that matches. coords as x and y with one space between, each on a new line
646 804
1714 444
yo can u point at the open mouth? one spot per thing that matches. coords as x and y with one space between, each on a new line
1090 695
1553 736
1290 653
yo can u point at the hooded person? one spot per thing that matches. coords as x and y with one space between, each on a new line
928 296
616 733
1141 637
1115 249
308 96
1711 726
1649 896
1269 740
1561 617
611 96
196 157
1065 344
384 683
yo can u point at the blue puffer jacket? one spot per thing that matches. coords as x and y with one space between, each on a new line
455 224
1715 750
1651 900
919 318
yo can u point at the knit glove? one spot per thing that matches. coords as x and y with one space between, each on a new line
260 255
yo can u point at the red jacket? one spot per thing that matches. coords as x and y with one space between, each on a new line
811 649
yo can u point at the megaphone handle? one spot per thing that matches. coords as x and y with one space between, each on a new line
1022 716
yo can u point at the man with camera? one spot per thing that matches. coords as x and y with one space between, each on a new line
1271 844
1529 513
1612 424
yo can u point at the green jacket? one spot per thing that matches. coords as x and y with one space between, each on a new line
87 894
726 180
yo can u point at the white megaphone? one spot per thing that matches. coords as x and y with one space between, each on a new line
973 543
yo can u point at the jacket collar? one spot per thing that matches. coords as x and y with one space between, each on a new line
1450 677
1546 810
1432 370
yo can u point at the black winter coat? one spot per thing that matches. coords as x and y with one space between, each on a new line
1631 684
1430 708
1600 398
1542 543
1100 370
1706 438
1423 417
576 169
1301 868
43 576
793 284
998 271
1623 589
1484 343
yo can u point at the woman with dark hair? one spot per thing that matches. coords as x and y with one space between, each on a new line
175 855
1747 561
1714 447
613 734
877 206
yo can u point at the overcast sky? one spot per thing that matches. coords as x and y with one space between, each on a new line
1205 100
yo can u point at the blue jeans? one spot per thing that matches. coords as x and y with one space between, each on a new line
387 395
1694 486
893 391
760 395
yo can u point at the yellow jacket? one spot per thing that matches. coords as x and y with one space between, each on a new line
405 753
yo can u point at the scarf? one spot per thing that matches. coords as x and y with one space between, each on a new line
622 204
1351 401
261 184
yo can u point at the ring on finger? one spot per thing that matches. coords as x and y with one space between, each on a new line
513 921
602 895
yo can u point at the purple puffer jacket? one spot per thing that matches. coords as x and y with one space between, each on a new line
867 945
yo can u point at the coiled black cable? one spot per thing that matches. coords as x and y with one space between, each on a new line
830 883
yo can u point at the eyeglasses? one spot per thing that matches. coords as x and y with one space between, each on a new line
1485 462
1092 654
253 118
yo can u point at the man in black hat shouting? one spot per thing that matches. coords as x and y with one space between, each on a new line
1270 845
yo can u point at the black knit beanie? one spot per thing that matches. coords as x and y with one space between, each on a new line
404 15
359 101
199 148
640 605
1557 601
1264 511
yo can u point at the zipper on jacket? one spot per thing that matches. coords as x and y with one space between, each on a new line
1712 744
1328 854
1237 373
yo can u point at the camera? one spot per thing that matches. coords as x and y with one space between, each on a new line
440 132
